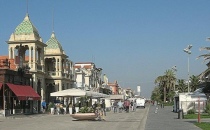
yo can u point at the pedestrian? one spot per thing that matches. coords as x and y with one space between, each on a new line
115 106
103 106
131 105
120 106
127 104
44 105
73 109
134 105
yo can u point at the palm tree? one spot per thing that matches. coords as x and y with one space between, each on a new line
194 83
166 81
205 56
156 94
182 87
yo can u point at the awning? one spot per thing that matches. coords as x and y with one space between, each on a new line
1 84
77 93
116 97
24 92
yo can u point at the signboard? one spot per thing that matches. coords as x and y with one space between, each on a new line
138 89
30 98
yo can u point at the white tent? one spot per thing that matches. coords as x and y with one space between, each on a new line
77 93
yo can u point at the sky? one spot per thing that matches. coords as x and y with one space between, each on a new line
133 41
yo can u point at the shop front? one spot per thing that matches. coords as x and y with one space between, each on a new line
18 99
17 95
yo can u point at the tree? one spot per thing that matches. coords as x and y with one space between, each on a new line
167 82
156 94
182 87
205 56
194 83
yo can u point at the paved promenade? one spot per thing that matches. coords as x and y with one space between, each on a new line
165 119
142 119
114 121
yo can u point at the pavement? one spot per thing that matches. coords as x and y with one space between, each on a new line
165 119
113 121
141 119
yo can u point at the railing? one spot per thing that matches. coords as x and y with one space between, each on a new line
51 73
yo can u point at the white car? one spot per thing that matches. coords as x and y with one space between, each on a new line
140 102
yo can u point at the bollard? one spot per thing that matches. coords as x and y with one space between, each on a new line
156 110
180 114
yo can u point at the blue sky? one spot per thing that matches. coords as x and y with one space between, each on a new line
134 41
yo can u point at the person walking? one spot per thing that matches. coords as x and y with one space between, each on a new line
44 105
115 106
134 105
120 106
103 106
127 105
131 105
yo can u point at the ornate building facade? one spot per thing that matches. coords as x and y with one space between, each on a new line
49 65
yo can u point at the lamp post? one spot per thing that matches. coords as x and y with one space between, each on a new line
174 69
187 50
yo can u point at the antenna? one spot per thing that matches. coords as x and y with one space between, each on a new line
53 20
27 6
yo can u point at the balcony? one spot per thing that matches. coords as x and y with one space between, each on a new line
51 73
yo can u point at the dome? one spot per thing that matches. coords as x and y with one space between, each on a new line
26 28
53 45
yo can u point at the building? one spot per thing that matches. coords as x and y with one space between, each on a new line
49 65
87 76
114 87
16 91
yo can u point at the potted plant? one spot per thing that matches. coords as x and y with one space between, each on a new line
85 113
51 107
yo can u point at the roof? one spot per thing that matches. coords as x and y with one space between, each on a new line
53 43
12 62
26 28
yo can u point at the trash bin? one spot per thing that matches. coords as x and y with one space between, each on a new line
180 114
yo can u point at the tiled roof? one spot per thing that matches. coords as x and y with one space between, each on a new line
53 43
12 62
26 28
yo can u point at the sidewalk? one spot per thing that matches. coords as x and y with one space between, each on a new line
165 119
113 121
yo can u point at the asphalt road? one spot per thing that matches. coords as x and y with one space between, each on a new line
113 121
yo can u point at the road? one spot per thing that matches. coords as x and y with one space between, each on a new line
114 121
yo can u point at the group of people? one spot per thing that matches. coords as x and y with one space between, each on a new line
126 106
58 108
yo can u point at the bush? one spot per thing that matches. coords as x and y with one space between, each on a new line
208 108
50 105
168 104
191 111
86 109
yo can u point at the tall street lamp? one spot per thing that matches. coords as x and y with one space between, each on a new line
187 50
174 69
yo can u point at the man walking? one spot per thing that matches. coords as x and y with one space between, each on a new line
44 105
115 106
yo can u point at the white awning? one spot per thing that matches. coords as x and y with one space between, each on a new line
77 93
116 97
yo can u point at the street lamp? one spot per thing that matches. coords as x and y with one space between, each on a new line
187 50
174 69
